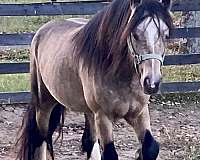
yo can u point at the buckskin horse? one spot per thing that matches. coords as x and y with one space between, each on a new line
106 67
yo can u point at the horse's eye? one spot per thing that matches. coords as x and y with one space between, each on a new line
136 37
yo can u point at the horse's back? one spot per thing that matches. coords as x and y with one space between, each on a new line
56 28
81 21
52 48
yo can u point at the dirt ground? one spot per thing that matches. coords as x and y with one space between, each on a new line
177 128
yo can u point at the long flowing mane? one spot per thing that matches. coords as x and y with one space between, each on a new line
101 44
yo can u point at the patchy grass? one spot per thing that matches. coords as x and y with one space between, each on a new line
14 55
181 73
25 24
14 82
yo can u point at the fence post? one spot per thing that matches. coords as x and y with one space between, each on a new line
192 20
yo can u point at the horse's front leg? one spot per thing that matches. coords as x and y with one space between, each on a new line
90 142
104 125
141 125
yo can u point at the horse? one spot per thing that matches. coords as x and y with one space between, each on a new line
107 68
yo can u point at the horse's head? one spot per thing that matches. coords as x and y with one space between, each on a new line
150 25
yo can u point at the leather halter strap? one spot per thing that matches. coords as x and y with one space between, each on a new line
142 57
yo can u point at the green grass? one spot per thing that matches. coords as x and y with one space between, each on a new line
14 55
14 82
25 24
181 73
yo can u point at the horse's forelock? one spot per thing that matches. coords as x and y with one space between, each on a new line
153 9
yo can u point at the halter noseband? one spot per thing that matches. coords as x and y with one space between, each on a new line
140 58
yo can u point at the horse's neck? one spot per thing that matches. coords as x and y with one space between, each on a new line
123 78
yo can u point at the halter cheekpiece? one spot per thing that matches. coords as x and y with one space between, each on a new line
142 57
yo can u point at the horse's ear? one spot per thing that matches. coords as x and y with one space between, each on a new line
135 3
167 4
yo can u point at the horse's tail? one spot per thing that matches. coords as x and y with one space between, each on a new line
26 136
29 137
28 133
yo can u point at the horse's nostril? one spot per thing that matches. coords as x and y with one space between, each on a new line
151 86
147 82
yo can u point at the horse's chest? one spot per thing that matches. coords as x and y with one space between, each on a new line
113 102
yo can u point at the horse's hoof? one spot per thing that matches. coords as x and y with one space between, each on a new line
109 152
150 147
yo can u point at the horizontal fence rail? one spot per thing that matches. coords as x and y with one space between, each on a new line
14 68
76 8
172 87
51 9
186 5
181 59
185 33
180 87
15 97
15 39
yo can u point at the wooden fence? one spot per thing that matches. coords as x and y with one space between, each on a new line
88 8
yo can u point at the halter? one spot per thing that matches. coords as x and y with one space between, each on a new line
140 58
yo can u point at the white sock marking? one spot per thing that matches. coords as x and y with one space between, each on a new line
44 152
95 155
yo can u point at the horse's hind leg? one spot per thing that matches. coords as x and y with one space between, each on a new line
41 120
90 139
48 116
45 108
141 125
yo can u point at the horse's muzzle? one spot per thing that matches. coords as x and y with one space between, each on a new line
151 86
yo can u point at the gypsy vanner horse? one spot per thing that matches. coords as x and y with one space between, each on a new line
106 67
